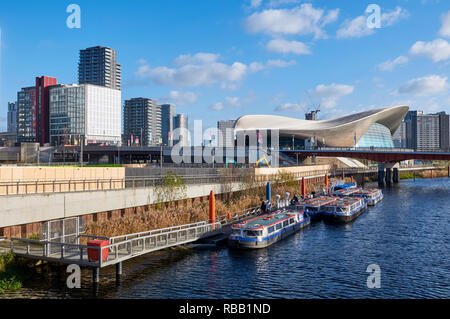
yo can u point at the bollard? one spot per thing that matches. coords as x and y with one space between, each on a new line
326 183
303 187
212 209
268 192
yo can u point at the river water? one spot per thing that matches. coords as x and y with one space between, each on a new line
407 235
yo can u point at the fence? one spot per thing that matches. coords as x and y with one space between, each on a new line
81 185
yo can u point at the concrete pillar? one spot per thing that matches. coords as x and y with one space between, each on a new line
395 177
388 176
381 175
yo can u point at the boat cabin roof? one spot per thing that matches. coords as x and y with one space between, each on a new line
266 220
345 202
317 202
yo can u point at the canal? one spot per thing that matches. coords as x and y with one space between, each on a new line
407 235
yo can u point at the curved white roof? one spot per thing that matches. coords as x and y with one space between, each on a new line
337 132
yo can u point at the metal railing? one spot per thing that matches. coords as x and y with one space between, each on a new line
117 250
22 187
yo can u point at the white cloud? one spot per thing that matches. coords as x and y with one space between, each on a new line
180 98
200 69
285 46
301 20
358 28
432 84
199 58
437 50
355 28
389 18
255 3
445 29
290 107
390 65
233 101
217 106
330 94
280 63
277 3
229 101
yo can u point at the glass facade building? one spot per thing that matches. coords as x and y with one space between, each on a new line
142 122
377 135
88 112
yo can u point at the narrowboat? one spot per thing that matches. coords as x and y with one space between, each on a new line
344 210
314 207
372 195
264 230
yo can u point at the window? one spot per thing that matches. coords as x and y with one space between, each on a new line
285 223
271 229
291 221
236 232
252 233
279 226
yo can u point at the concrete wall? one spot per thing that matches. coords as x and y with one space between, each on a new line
25 209
80 179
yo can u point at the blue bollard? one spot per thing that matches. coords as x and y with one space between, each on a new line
268 192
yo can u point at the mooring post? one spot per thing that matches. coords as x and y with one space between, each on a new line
268 192
95 275
212 210
303 187
119 269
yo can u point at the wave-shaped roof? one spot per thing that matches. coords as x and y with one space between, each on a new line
336 132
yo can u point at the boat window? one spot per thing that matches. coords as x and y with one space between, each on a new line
252 233
328 209
291 221
236 232
285 223
313 209
279 226
271 229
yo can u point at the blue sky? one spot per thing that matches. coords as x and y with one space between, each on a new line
223 59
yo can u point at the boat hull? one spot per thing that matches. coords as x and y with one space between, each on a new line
245 244
343 219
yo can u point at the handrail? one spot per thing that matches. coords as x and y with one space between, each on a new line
191 233
21 187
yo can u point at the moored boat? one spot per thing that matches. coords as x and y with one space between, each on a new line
344 210
314 207
372 195
264 230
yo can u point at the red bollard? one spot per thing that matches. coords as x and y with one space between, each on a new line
212 209
303 187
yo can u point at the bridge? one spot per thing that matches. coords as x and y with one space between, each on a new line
65 247
380 155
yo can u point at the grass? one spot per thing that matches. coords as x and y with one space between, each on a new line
11 273
187 211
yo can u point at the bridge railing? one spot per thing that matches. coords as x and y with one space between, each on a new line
117 250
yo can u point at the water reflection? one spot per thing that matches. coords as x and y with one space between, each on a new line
407 235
